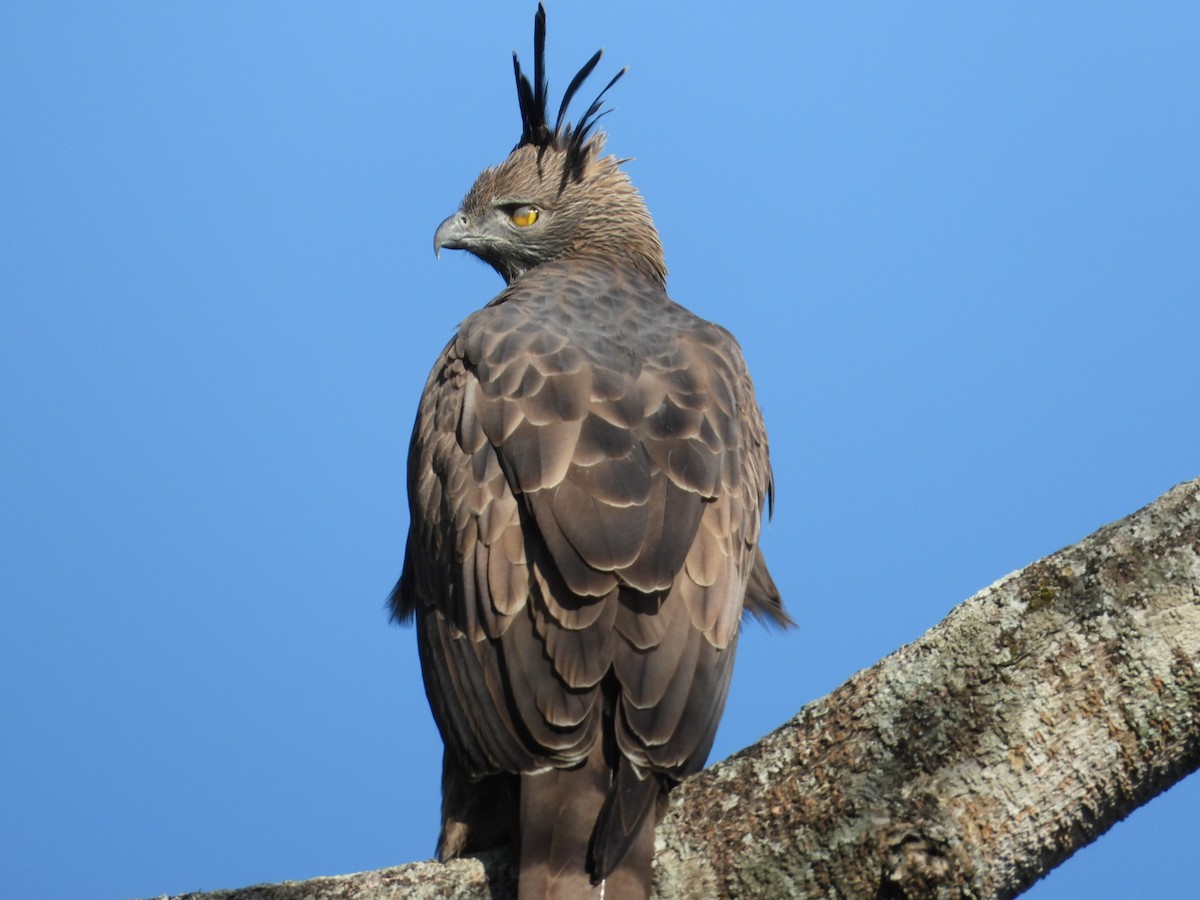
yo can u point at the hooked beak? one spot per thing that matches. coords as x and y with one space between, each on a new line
452 234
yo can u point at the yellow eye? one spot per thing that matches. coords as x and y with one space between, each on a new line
524 216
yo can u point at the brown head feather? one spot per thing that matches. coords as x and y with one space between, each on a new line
584 203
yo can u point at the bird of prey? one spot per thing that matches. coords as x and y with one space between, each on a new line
586 484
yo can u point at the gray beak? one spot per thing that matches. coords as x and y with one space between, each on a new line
451 234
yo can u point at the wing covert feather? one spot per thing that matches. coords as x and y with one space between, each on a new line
586 489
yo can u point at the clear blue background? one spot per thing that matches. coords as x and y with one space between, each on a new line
960 244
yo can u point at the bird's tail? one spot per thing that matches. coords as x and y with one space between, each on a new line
582 835
622 850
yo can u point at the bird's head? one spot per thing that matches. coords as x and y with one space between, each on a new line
556 195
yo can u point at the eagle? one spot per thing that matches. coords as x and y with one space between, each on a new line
586 483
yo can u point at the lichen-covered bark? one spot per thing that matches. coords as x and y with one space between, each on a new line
969 763
965 765
489 875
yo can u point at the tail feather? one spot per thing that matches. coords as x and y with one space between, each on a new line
558 810
584 835
625 828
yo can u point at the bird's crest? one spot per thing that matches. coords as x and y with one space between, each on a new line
572 140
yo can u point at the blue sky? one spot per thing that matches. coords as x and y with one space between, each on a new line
958 242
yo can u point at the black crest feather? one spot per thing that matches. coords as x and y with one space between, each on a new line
533 99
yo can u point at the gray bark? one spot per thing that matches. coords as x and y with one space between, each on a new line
965 765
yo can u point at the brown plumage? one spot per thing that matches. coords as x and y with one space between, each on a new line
586 482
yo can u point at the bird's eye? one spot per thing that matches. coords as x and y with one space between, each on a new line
524 216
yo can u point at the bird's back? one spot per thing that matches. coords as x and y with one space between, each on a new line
590 463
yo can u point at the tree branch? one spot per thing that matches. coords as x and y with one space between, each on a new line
967 764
